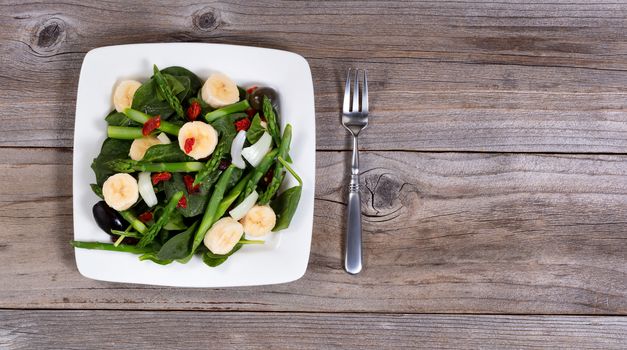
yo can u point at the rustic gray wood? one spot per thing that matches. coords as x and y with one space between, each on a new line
443 232
462 226
221 330
444 75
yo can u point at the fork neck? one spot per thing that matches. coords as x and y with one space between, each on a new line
355 161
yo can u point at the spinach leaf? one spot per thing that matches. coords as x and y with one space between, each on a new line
285 206
176 222
214 260
178 246
166 153
256 130
195 82
119 119
196 201
148 99
176 85
168 92
185 93
112 149
152 256
97 190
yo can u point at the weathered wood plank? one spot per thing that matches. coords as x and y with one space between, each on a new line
489 76
182 330
443 232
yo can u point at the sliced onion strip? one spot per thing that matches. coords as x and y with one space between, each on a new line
236 150
163 138
242 209
146 190
254 153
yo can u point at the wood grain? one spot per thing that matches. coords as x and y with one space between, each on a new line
449 75
443 232
183 330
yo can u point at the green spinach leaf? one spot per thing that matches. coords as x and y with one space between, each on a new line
119 119
166 153
196 201
178 246
214 260
285 206
195 82
256 130
112 149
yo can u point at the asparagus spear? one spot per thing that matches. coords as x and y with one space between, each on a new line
129 166
141 117
226 110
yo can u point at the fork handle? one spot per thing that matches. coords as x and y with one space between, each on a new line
353 255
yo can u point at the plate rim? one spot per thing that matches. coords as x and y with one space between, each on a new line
80 263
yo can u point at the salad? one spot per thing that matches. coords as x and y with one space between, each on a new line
192 168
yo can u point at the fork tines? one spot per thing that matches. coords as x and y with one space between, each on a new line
359 97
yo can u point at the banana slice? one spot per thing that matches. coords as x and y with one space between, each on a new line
141 145
259 221
123 94
120 191
219 90
223 235
205 139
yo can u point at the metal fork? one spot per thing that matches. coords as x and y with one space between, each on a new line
354 119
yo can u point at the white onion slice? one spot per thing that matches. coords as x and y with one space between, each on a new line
164 139
254 153
236 150
242 209
146 190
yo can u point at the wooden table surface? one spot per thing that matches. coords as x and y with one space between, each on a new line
494 188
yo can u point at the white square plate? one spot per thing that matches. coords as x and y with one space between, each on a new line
284 258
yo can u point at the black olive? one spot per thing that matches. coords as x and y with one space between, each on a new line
256 98
107 218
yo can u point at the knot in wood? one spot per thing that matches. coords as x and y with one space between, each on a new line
50 33
207 19
383 192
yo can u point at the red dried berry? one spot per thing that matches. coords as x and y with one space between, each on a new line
267 178
251 112
193 111
189 144
145 216
242 124
158 177
189 184
182 203
151 124
251 89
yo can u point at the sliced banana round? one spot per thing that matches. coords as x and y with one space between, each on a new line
123 94
205 139
141 145
223 235
219 90
259 221
120 191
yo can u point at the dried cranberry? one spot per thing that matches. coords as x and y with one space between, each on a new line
267 178
251 112
193 111
242 124
158 177
189 144
145 216
151 124
189 184
182 203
